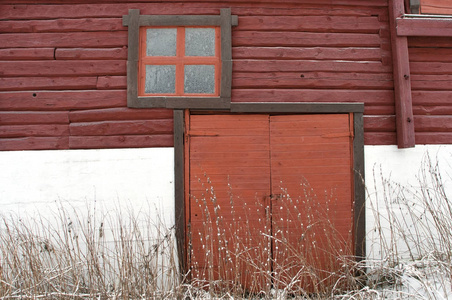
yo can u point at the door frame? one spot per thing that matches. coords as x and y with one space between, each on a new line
356 109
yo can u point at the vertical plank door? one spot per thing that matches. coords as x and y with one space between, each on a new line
311 204
229 175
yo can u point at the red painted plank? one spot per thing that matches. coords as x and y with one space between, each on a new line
27 117
34 143
91 53
402 84
27 53
308 66
431 82
47 83
433 123
289 3
111 82
312 80
431 68
430 54
442 42
430 98
433 137
123 141
379 110
118 114
424 27
440 7
307 53
63 68
369 97
62 100
432 110
304 39
66 39
380 138
324 23
135 127
379 123
62 25
10 131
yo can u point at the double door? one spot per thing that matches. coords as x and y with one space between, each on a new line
269 200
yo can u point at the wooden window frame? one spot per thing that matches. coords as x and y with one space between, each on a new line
224 21
357 109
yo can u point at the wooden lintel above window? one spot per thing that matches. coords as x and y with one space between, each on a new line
421 25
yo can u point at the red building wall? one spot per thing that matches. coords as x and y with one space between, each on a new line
63 69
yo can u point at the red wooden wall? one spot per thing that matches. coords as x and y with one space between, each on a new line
63 69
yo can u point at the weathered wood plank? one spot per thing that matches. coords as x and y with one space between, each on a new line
425 68
379 123
424 27
431 82
62 68
304 39
309 66
111 82
324 23
440 7
115 114
134 127
12 12
432 54
433 123
31 117
429 41
27 53
122 141
326 80
433 137
62 25
62 100
47 83
64 39
12 131
380 138
34 143
379 110
432 110
369 97
307 53
91 53
430 98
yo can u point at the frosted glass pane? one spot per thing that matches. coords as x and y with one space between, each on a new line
199 79
200 42
160 79
161 41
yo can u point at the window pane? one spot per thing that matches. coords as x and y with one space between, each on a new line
160 79
199 79
161 41
200 41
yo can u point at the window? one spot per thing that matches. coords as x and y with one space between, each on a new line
179 61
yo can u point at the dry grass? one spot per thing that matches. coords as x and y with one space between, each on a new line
133 256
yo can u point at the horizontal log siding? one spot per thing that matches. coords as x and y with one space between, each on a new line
63 68
431 81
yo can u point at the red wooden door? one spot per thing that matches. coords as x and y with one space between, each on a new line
229 179
311 184
269 198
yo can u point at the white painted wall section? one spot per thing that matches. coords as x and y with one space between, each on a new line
38 182
401 190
